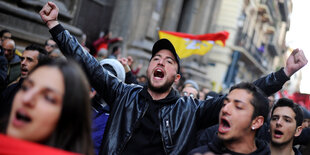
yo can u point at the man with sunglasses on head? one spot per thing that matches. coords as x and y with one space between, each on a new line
190 88
50 45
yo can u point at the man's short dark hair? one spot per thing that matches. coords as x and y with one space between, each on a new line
115 48
259 101
42 52
285 102
4 31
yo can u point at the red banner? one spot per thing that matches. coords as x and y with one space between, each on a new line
13 146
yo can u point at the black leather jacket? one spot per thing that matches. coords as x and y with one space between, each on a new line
179 121
216 146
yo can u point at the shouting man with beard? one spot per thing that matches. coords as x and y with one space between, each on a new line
152 119
285 125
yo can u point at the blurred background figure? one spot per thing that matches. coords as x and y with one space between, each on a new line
116 53
207 93
190 88
142 80
13 71
83 42
50 45
103 42
131 62
56 54
5 34
306 121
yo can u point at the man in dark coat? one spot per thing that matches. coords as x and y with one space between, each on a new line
152 119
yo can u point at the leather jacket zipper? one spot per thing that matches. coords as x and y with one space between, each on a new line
161 131
169 132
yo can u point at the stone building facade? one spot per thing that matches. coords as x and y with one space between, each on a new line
257 30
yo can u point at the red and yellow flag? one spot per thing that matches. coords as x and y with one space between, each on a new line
188 44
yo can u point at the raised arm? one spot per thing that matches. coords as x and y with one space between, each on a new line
106 85
49 14
274 81
269 84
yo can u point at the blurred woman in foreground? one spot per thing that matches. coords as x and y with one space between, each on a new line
53 108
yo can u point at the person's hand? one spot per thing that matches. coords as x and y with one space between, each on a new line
130 60
124 62
294 62
49 14
120 38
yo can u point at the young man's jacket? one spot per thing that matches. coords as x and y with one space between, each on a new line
13 69
179 122
216 146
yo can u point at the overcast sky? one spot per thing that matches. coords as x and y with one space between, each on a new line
299 37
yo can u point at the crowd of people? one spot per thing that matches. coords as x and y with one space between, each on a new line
62 96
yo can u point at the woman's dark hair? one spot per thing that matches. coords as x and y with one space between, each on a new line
73 131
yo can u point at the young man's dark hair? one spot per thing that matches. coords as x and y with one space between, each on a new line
4 31
43 55
259 101
285 102
114 49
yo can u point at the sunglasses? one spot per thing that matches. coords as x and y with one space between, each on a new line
5 37
50 45
190 94
9 50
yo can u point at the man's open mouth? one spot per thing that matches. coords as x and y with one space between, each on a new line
159 73
24 70
278 133
224 126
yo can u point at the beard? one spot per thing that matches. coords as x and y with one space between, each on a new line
167 85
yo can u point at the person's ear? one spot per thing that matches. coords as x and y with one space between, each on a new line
257 122
177 78
298 131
